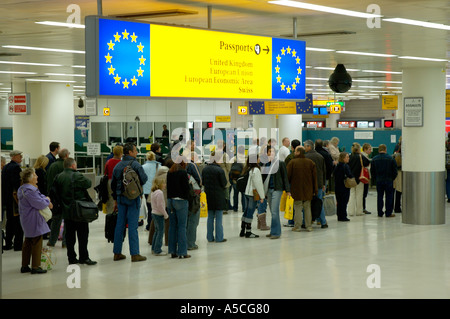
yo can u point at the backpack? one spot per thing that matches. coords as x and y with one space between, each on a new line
241 182
236 170
131 183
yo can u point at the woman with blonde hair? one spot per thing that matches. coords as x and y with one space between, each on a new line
356 163
39 167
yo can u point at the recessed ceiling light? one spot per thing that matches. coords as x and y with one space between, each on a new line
28 63
318 49
422 59
399 82
56 81
419 23
318 79
62 24
376 71
42 49
17 72
79 66
61 74
315 7
371 87
367 54
366 81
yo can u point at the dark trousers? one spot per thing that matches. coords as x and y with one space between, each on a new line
385 188
14 231
398 202
31 250
342 197
366 191
74 231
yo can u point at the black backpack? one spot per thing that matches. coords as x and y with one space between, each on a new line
241 182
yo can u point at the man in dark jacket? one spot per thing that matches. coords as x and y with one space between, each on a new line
71 185
326 156
128 208
54 150
215 181
55 169
10 185
302 176
384 170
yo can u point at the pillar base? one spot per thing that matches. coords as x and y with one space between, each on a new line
423 198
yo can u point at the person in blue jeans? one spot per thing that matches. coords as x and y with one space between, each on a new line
384 171
159 214
214 182
128 209
275 179
178 198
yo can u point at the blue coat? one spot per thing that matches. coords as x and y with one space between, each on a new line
116 182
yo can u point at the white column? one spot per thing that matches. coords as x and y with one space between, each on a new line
265 126
423 151
290 126
51 119
331 121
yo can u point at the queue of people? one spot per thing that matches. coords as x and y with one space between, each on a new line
171 187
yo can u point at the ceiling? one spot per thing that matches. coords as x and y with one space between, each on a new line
318 29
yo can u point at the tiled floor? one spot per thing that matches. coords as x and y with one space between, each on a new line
409 261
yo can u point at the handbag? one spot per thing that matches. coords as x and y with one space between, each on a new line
283 202
364 176
203 205
289 211
143 212
46 213
316 207
256 195
350 182
83 210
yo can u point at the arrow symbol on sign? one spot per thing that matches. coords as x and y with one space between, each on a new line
267 49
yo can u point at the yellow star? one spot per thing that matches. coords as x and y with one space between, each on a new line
278 79
116 37
278 59
283 50
140 71
288 50
294 52
142 60
140 47
125 34
111 70
108 58
125 84
297 61
294 86
288 90
282 86
134 81
297 79
117 79
277 69
110 45
133 37
299 70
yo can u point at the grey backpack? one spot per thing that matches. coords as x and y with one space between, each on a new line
131 183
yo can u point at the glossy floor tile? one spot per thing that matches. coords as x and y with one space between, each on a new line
368 257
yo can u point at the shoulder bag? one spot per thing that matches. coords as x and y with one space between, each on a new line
46 212
364 176
83 210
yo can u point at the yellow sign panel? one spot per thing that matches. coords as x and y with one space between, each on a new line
389 102
335 109
242 110
280 107
106 111
223 118
222 64
447 101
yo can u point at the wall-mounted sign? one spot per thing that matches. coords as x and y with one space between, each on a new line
413 111
242 110
19 104
289 107
335 109
125 58
93 149
223 118
389 102
106 111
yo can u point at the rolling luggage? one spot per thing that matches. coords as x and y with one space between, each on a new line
110 226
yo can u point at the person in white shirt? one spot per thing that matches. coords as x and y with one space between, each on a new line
284 149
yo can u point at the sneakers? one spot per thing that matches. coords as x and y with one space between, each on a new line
136 258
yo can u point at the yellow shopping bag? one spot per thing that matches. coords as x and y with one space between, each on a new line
203 205
283 202
289 211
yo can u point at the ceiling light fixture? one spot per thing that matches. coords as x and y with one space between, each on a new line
367 54
55 81
62 24
28 63
376 71
419 23
17 72
422 59
42 49
61 74
398 82
315 7
319 49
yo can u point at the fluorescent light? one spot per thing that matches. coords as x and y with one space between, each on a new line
394 87
371 87
366 81
79 66
315 7
314 84
42 49
318 49
55 81
16 72
61 74
399 82
376 71
79 86
422 59
28 63
318 79
419 23
367 54
62 24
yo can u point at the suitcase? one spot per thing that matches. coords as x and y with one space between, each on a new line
329 205
110 226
